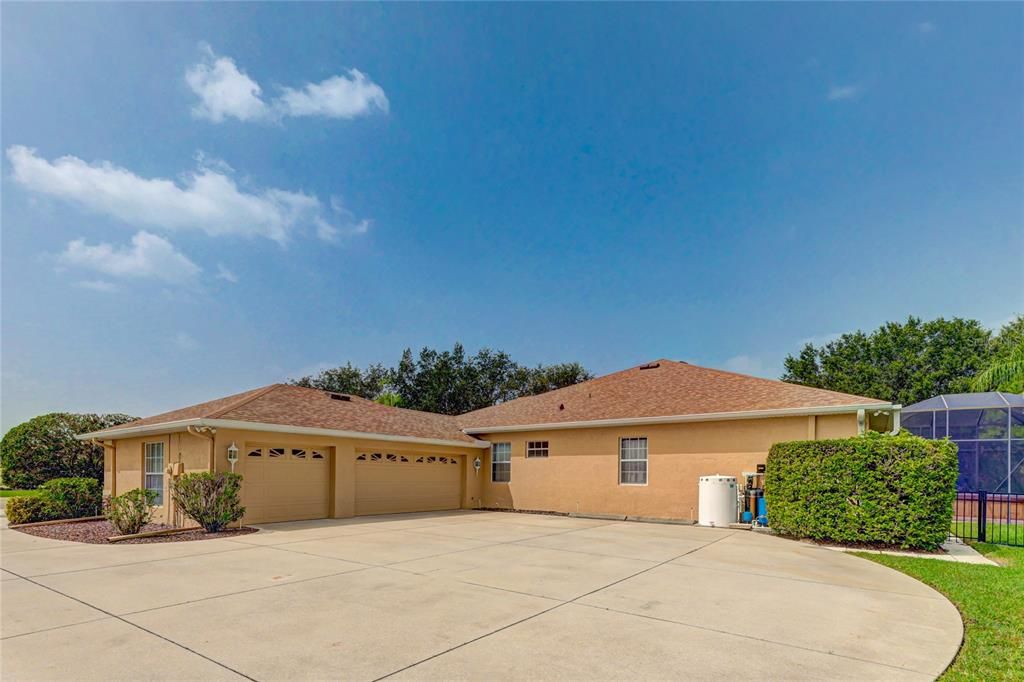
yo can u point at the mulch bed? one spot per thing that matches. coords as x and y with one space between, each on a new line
97 532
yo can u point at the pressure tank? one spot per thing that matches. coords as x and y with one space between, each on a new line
717 501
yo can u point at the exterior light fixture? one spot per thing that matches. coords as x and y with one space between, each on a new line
477 464
232 455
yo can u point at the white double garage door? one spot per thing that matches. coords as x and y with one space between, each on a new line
294 483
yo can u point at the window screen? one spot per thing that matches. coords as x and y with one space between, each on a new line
501 462
155 470
633 461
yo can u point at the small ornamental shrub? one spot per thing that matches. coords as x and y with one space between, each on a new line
28 510
72 498
130 511
209 499
874 489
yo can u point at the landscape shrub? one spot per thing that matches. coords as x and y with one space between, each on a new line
210 499
72 498
44 448
875 489
28 510
130 511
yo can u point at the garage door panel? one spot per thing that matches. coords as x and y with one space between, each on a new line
286 488
384 487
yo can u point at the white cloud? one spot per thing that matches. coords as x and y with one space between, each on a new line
925 27
838 93
820 339
223 90
148 256
225 274
337 97
97 285
206 199
185 342
745 364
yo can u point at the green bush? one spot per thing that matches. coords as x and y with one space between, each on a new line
874 489
44 448
72 498
209 499
28 510
130 511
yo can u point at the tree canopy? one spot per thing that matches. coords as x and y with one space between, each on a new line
447 381
1006 370
901 362
44 448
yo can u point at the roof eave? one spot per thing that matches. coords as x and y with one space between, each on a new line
182 424
683 418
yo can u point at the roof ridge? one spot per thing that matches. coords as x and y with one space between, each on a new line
257 393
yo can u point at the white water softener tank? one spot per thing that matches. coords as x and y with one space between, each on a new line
717 501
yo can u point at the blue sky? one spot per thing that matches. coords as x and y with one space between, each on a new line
200 199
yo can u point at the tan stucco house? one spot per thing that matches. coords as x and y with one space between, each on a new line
634 442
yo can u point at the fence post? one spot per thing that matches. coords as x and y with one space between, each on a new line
982 514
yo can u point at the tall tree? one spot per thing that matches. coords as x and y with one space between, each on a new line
1006 370
902 362
368 383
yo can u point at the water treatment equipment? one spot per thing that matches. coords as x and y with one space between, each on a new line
717 501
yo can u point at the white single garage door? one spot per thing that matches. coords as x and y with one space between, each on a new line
286 483
388 483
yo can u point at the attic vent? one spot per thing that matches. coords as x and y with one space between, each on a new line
651 365
340 396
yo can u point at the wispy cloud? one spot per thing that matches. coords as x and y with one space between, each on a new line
226 91
97 285
745 364
225 274
206 199
839 93
147 257
185 342
925 27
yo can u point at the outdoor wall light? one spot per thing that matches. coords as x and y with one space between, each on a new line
232 455
477 464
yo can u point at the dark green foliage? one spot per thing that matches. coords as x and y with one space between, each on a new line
1006 370
873 489
903 363
210 499
130 511
44 448
72 498
448 382
28 510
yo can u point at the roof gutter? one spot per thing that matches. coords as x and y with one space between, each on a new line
185 424
683 418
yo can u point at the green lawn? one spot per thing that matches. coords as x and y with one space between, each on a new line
994 531
18 493
991 602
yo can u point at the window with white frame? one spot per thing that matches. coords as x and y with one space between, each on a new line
155 470
537 448
501 462
633 461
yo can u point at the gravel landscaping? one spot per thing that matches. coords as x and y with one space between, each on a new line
97 532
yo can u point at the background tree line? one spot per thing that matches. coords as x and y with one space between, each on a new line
911 361
447 382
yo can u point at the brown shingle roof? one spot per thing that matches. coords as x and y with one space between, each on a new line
667 388
312 408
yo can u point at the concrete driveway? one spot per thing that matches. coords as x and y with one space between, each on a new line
465 595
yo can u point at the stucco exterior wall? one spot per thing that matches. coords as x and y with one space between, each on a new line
194 453
581 473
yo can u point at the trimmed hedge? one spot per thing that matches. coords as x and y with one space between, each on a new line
210 499
61 498
875 489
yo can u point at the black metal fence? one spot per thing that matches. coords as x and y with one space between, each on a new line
989 517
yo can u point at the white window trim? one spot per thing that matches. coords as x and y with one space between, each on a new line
646 461
162 473
494 461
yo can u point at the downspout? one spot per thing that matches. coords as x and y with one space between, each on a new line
206 432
